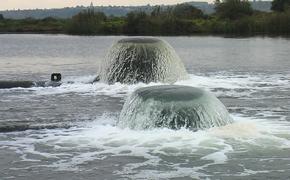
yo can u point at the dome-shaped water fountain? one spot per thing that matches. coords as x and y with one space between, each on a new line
173 107
133 60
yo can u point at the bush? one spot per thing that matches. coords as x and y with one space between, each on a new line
186 11
233 9
280 5
87 22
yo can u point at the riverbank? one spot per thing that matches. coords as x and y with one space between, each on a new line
246 27
181 20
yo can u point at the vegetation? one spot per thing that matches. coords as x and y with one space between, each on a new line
231 17
29 25
280 5
86 23
233 9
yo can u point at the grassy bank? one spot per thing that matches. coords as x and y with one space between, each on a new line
47 25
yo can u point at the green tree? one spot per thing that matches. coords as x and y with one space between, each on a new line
1 17
280 5
156 11
136 23
87 22
233 9
187 11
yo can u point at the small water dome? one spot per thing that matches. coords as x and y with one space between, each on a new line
133 60
173 107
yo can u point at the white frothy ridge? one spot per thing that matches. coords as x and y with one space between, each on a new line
225 85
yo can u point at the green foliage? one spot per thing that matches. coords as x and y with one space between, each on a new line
87 22
33 25
136 23
157 11
170 21
278 23
179 20
1 17
186 11
258 23
280 5
233 9
114 26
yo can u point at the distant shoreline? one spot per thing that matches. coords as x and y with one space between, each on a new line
180 20
191 35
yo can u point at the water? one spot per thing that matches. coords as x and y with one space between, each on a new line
70 132
133 60
173 107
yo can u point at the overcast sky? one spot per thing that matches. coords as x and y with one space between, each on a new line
31 4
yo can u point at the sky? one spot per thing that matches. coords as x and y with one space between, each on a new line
32 4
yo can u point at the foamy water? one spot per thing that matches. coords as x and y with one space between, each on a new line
221 84
161 153
182 153
70 132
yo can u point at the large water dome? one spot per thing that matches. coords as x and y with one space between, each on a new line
173 107
133 60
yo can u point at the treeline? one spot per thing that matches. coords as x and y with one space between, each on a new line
238 17
231 17
29 25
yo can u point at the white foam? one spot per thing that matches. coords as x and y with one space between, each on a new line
71 147
114 90
221 84
101 138
79 79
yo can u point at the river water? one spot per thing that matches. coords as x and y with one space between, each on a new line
69 132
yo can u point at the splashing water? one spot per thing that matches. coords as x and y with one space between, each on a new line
247 148
68 137
173 107
134 60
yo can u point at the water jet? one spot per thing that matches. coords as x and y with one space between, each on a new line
174 107
133 60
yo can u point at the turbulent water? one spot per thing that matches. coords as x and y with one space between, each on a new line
70 132
133 60
173 107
